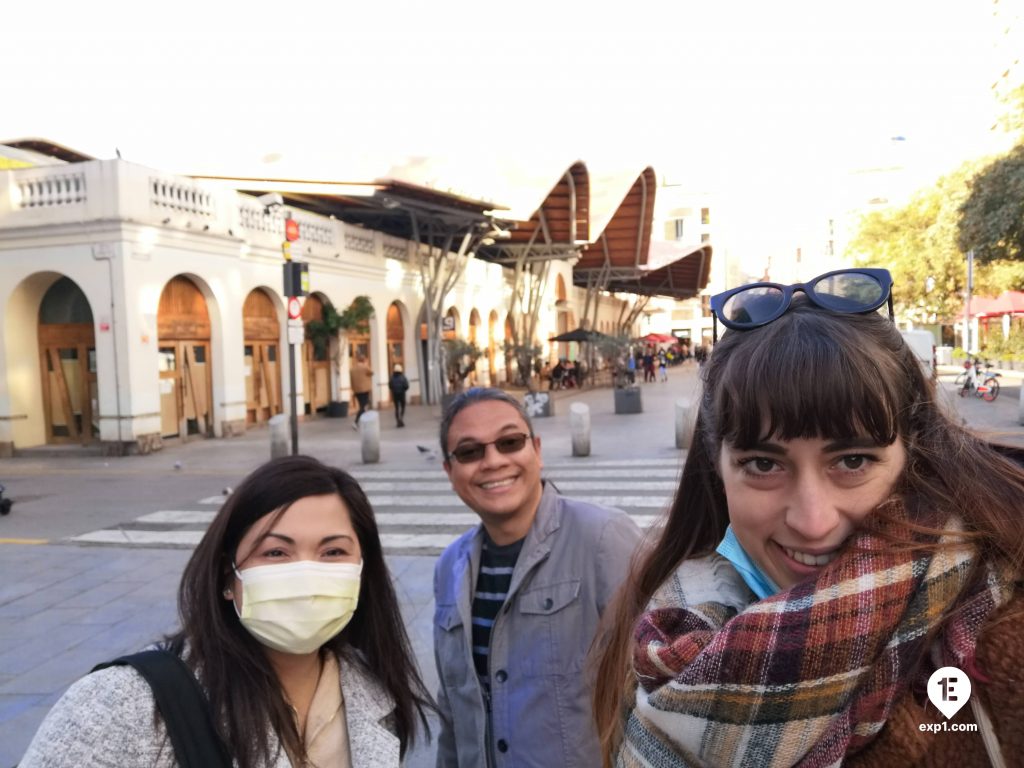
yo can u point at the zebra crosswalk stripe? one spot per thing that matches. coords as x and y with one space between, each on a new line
416 510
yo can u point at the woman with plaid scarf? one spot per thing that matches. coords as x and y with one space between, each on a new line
835 539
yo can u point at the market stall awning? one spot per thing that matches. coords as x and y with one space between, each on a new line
658 338
580 334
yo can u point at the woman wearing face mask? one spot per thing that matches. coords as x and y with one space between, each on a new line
292 628
835 540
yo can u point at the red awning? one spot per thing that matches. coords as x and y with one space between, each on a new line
1007 303
658 338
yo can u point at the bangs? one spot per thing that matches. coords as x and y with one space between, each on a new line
798 380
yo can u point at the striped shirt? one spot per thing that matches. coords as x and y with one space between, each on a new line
492 584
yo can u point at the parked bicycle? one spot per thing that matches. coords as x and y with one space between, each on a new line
982 383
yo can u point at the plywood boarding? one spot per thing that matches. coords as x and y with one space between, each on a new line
61 410
68 382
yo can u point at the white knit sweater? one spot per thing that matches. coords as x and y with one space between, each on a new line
106 720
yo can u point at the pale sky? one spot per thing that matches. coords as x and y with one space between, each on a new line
768 105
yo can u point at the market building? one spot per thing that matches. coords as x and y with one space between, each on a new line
140 306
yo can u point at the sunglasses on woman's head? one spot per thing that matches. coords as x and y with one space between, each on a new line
849 291
468 453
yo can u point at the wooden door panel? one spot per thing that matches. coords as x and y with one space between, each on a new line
63 414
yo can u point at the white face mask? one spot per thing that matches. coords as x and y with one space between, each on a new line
297 607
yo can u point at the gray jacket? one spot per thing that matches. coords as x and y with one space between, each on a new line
574 558
106 719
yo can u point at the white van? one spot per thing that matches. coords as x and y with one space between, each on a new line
922 343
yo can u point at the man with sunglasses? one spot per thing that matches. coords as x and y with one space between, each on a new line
518 597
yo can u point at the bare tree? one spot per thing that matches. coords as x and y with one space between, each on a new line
445 246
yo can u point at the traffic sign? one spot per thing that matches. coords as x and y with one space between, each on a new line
291 230
296 332
294 308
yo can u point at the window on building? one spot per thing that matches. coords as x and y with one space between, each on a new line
705 237
679 228
705 306
705 216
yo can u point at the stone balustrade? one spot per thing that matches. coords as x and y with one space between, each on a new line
111 190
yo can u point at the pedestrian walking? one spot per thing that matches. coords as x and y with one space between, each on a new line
835 541
398 385
648 365
662 366
518 597
291 628
361 378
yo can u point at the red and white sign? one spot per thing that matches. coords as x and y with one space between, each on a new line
294 308
291 230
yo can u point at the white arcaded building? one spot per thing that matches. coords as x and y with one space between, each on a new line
138 306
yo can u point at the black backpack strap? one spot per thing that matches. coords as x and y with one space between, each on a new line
183 705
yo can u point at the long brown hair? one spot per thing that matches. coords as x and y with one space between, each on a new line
245 694
811 373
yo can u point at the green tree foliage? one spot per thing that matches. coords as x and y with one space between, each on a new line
919 244
356 314
331 332
992 217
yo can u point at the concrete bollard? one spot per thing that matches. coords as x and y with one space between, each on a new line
280 436
579 426
684 423
369 436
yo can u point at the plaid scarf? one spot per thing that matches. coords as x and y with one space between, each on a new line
811 674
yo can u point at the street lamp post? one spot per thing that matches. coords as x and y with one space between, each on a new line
967 302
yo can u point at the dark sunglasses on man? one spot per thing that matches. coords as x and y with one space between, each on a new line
848 291
468 453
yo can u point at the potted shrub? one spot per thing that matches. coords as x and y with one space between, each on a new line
330 334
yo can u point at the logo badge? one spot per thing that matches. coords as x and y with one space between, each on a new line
949 689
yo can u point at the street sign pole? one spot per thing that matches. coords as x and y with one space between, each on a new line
294 400
296 283
295 336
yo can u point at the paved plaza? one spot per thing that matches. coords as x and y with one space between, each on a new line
91 554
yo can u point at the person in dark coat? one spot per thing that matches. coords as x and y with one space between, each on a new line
398 385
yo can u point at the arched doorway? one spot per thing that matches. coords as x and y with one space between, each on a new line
396 338
186 380
316 363
450 324
262 371
67 357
